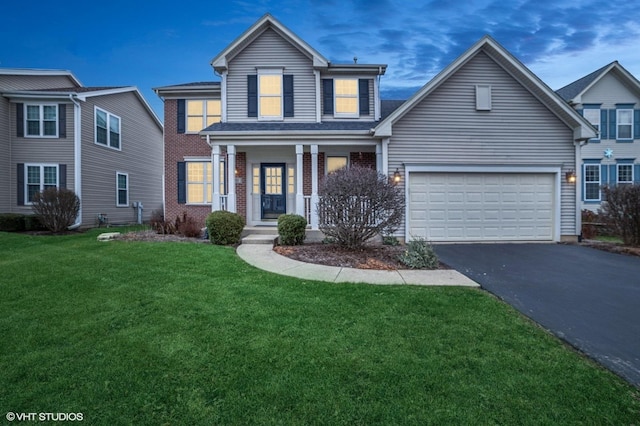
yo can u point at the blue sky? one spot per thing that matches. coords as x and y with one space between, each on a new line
150 44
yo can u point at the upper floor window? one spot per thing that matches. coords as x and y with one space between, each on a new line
624 124
270 95
625 173
592 182
41 120
107 128
593 116
202 113
39 177
346 97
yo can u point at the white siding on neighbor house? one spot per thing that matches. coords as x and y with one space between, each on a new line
445 128
140 157
271 50
5 156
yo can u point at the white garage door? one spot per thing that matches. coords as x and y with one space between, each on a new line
481 206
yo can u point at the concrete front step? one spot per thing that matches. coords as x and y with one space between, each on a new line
260 239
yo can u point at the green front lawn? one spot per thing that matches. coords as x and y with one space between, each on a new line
179 333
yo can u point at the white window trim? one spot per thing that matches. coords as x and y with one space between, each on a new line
618 124
335 100
26 178
204 114
618 165
599 182
118 189
41 120
95 127
277 72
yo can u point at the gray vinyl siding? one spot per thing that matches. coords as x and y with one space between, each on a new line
367 117
140 157
445 128
271 50
35 82
5 156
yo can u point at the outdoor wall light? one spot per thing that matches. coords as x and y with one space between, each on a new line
571 176
396 176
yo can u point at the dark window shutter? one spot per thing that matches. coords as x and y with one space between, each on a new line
182 116
62 175
363 90
62 121
636 123
612 124
636 173
604 174
252 96
604 133
287 85
182 182
581 112
327 96
613 175
20 120
20 180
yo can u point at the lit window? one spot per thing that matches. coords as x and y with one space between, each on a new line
200 181
41 120
38 178
625 173
592 182
107 129
291 180
346 97
625 123
202 114
270 95
122 189
336 163
256 180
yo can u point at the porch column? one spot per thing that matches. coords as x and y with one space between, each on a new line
385 156
231 178
215 163
314 186
379 158
299 176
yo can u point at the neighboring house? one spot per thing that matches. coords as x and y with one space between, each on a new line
104 143
482 150
610 99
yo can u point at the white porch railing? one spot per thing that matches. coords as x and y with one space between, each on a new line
223 202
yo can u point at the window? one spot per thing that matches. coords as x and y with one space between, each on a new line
336 163
200 181
346 97
291 180
202 114
39 177
107 129
270 95
625 173
41 120
122 189
624 124
593 116
592 182
483 97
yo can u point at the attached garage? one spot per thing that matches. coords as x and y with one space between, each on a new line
481 205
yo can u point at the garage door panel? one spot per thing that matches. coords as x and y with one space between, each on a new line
481 206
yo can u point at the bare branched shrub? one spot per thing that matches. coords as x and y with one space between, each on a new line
56 208
622 212
358 203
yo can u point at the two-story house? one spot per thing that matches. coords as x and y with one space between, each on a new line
104 143
610 99
481 151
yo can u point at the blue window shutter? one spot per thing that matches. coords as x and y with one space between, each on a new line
62 175
363 90
604 174
612 124
603 124
581 112
636 173
182 116
20 122
327 96
182 182
20 180
287 86
62 120
613 175
636 123
252 96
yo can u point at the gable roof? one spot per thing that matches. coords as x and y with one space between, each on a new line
573 92
581 127
41 72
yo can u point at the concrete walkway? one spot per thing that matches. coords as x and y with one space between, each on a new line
263 257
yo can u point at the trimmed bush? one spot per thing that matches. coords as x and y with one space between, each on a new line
32 223
12 222
57 208
291 228
420 255
622 212
224 227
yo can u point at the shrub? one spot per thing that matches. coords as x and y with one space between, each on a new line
224 227
291 228
32 223
12 222
358 203
622 212
57 208
160 225
419 255
188 227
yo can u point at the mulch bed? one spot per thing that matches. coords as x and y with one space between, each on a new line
611 247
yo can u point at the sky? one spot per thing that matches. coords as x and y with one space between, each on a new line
161 43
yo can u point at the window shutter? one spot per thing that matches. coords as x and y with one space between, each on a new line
20 180
287 83
62 175
20 122
62 121
604 174
603 124
182 182
612 124
613 178
636 173
636 123
327 96
252 96
363 90
182 116
581 112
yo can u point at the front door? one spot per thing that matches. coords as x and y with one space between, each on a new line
272 188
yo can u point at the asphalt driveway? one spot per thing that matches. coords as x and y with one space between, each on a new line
589 298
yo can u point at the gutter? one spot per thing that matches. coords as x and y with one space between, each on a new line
77 158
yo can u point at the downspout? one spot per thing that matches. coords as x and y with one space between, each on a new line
77 159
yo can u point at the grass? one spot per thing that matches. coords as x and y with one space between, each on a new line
609 239
178 333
